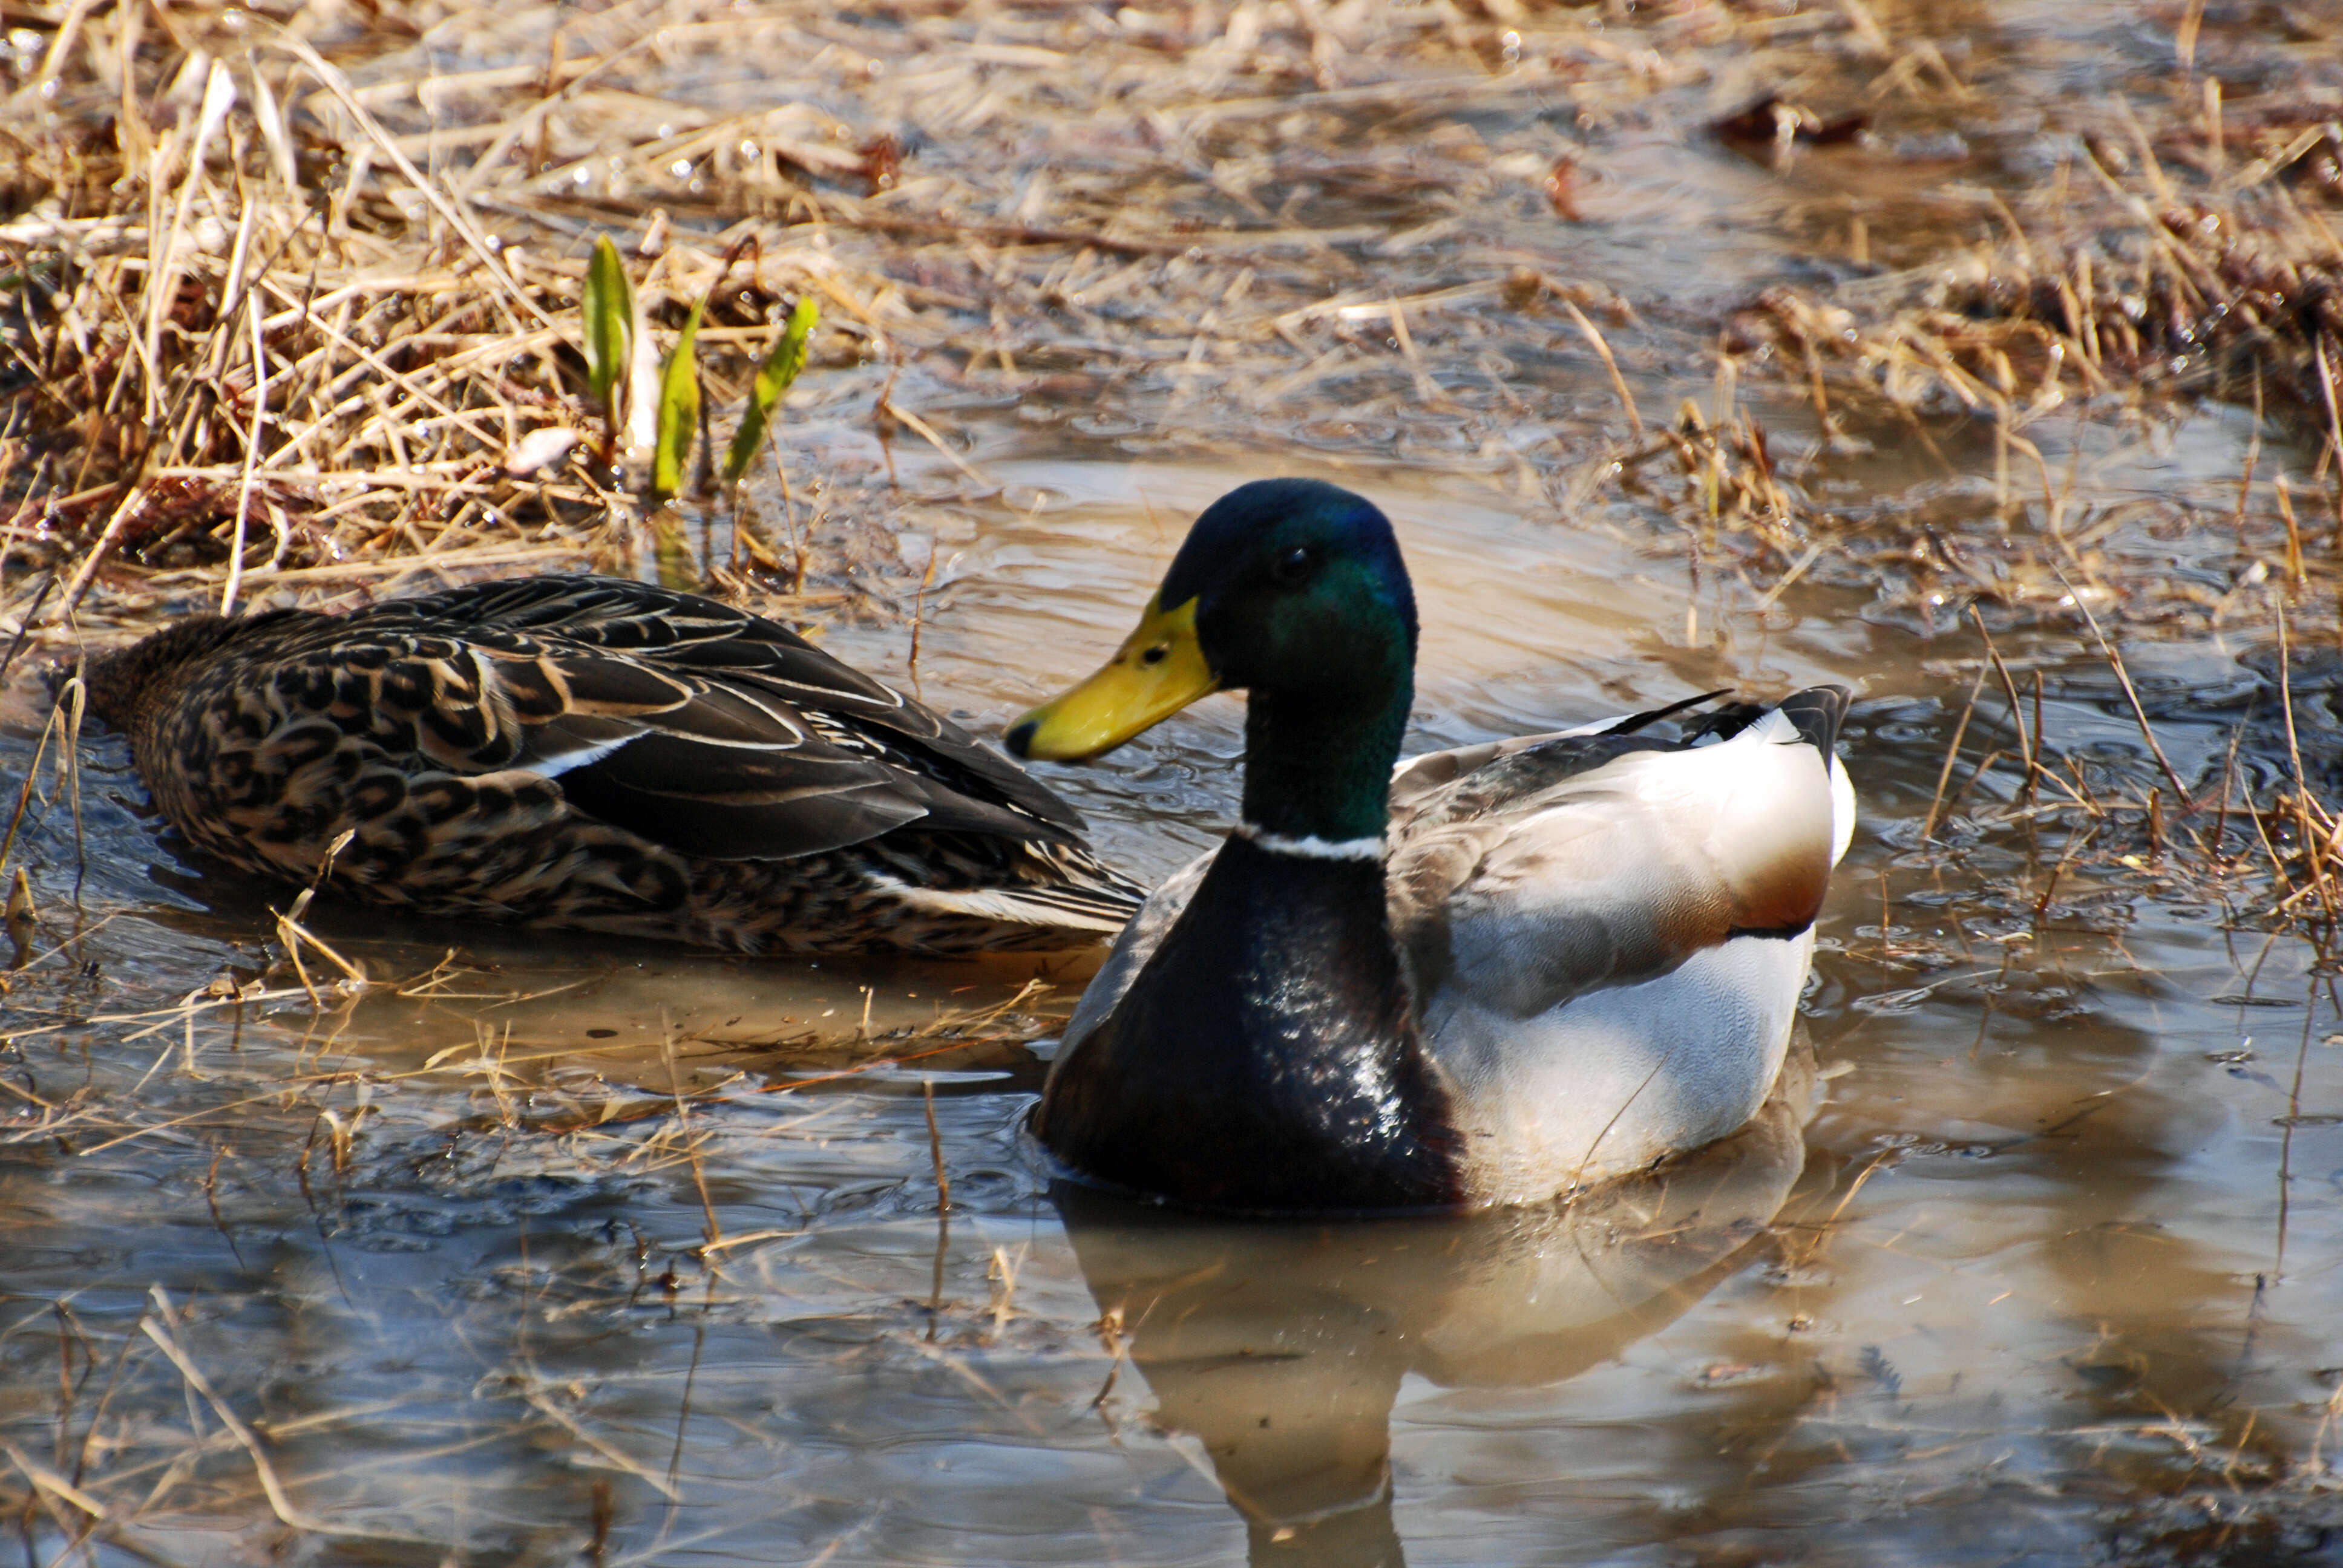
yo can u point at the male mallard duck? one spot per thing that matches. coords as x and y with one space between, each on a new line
592 752
1505 972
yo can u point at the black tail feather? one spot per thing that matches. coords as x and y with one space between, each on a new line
1634 721
1818 711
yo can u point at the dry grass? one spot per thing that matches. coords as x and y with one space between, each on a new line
2179 251
282 327
286 315
2125 277
287 347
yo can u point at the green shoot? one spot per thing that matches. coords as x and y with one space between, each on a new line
609 312
678 407
773 378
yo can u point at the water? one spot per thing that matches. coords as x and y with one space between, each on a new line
560 1251
2057 1245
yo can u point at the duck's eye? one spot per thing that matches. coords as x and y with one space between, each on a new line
1156 655
1293 568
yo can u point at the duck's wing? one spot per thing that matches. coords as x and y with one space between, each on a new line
719 643
697 726
1609 935
1560 864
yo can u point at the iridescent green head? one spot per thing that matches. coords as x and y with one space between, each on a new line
1290 589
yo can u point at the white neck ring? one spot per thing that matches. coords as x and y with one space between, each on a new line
1311 848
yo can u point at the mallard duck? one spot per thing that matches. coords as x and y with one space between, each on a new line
1499 974
595 753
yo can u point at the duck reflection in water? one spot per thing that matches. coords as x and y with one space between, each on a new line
1281 1345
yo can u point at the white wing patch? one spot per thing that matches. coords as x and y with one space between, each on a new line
996 904
560 762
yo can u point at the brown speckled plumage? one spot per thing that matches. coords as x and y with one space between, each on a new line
591 752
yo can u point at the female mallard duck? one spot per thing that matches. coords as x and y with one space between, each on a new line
1507 970
592 752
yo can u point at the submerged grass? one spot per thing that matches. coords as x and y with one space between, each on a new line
115 1464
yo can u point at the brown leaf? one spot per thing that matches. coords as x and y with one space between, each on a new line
1762 123
882 162
1561 189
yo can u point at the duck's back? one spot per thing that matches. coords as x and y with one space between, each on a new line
597 753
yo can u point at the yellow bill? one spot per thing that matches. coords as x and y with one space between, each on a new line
1159 669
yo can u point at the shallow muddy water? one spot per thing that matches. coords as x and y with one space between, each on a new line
2061 1237
550 1251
